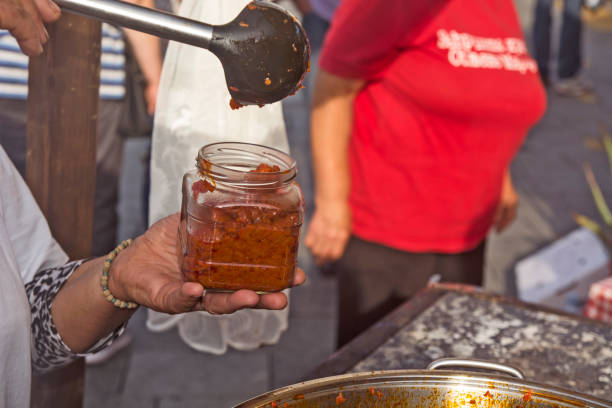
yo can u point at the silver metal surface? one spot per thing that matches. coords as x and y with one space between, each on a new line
425 389
143 19
473 363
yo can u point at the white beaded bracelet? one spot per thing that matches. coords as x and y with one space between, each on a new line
121 304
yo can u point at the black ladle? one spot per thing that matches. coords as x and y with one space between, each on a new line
264 51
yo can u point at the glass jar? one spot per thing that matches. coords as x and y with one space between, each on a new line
240 218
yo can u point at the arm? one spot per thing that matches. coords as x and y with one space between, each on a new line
69 312
147 50
25 20
147 273
364 38
331 123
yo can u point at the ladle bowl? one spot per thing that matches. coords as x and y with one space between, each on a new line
264 51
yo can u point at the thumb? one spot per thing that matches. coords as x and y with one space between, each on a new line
184 298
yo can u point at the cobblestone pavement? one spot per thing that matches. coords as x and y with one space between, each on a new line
157 370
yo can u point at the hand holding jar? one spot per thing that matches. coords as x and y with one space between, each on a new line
240 219
149 274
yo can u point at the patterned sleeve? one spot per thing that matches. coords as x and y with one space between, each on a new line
49 351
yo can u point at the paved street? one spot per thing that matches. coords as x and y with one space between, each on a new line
157 370
548 169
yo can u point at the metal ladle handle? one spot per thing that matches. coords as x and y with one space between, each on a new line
473 363
158 23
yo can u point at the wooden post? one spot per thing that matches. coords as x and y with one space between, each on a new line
61 161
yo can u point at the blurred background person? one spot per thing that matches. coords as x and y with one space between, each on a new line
193 110
569 57
13 114
316 18
419 108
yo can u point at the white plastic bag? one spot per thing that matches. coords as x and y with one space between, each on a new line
192 111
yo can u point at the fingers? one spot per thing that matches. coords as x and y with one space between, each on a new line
310 240
273 301
504 216
509 216
299 277
24 19
328 245
192 297
336 249
223 303
508 204
49 11
30 46
326 242
497 218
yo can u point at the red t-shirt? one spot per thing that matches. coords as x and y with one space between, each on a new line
450 94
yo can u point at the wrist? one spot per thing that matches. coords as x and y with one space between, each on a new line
113 278
331 201
115 285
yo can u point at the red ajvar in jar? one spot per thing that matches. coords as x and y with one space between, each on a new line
240 218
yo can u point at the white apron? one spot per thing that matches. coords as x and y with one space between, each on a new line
192 111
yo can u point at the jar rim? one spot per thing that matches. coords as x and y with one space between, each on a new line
233 163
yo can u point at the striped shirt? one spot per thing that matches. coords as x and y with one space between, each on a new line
14 66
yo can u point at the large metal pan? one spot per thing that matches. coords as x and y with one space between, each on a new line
430 388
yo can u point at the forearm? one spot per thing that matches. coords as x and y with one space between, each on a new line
147 49
80 312
70 314
331 124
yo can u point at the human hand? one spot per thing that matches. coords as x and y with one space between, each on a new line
25 20
329 231
303 6
508 204
148 273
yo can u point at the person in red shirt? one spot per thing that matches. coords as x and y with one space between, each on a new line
418 110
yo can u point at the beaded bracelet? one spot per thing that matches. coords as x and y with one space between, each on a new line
121 304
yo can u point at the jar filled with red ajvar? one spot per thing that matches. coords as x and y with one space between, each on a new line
240 218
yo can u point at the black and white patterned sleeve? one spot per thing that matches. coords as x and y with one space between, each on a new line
49 351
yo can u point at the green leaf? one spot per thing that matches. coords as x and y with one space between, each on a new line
607 143
593 143
600 202
592 225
